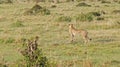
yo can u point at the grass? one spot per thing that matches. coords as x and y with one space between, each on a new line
84 17
17 24
64 19
54 36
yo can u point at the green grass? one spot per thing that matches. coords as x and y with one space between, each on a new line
54 36
17 24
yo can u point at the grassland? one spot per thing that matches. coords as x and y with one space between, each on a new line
54 36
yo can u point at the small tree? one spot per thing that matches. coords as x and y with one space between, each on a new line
33 55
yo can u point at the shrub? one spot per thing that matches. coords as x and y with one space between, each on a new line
82 4
37 9
17 24
64 19
84 17
33 55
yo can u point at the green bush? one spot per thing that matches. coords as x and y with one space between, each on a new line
84 17
33 55
82 4
64 19
17 24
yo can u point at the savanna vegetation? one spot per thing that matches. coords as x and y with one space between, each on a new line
22 20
